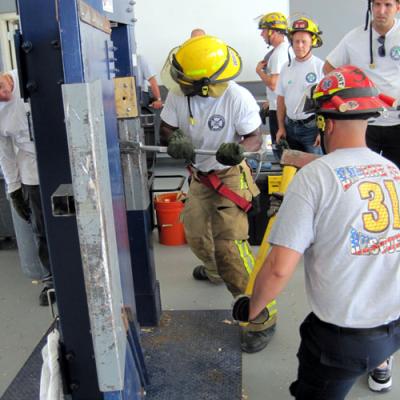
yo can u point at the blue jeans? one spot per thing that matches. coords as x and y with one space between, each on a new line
301 136
331 358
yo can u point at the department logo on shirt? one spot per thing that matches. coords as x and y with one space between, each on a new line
311 77
395 53
216 122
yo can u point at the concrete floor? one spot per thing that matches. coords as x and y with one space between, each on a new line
266 375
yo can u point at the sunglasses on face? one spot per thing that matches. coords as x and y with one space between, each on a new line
381 48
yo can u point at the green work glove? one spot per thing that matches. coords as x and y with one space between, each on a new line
20 205
230 154
180 146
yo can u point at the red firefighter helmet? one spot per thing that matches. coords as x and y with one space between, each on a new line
347 92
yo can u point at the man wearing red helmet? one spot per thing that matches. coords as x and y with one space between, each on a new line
341 212
377 51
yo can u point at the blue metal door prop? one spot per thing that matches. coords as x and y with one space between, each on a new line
69 42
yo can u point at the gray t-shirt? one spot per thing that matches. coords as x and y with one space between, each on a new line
342 211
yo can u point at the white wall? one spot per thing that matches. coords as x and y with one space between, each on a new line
7 6
164 24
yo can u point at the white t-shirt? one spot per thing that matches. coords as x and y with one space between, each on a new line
354 49
342 212
294 80
17 150
218 120
276 60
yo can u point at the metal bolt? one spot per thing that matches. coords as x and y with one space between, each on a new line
55 43
129 9
133 20
26 46
128 109
31 86
74 386
132 3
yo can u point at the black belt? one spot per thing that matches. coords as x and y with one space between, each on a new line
301 121
377 330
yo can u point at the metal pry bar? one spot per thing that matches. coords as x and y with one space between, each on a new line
130 147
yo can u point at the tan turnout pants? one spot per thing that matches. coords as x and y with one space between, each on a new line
217 229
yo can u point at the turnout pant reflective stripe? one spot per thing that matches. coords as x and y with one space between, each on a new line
248 261
245 254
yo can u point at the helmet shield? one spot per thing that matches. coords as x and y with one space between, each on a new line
167 76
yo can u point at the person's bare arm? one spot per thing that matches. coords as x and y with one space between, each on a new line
165 132
252 141
280 115
155 90
328 67
270 80
273 277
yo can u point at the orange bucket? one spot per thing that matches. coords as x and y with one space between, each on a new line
168 209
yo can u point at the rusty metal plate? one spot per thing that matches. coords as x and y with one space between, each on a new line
92 17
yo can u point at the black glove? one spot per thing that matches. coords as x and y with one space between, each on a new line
282 145
275 202
230 154
241 310
180 146
20 205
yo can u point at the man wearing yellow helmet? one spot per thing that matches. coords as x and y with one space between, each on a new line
273 30
376 49
299 129
207 110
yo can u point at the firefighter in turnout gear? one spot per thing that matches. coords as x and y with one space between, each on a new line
205 109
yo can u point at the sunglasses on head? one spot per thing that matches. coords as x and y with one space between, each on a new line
381 48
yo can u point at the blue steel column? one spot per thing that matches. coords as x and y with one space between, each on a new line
47 68
44 78
147 289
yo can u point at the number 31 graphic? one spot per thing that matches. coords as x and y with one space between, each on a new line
377 219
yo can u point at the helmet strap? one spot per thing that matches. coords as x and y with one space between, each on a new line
368 15
191 117
371 54
321 129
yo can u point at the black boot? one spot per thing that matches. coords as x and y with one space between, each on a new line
252 342
200 274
